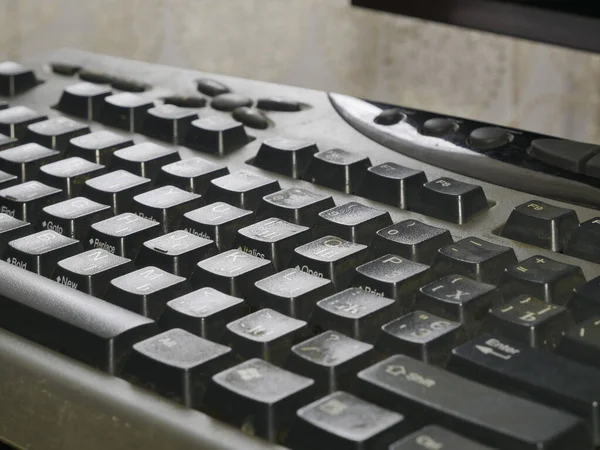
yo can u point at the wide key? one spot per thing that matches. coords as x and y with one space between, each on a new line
168 123
70 174
295 205
242 189
55 133
393 184
338 169
192 174
116 189
25 160
25 201
144 159
98 147
84 100
289 157
125 110
216 135
352 221
14 121
73 217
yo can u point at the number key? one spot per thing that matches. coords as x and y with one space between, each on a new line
25 160
55 133
144 159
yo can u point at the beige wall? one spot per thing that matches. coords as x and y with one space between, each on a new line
326 44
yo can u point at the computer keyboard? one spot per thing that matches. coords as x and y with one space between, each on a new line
196 261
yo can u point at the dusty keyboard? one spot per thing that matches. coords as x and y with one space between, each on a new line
196 261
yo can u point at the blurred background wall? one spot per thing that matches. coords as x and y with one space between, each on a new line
326 44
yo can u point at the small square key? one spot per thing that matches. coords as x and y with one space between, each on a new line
25 201
122 235
91 271
98 147
216 135
272 239
529 320
7 142
233 272
581 342
126 111
258 397
15 78
8 180
353 222
116 189
354 312
392 277
14 121
331 359
11 229
40 252
55 133
192 175
544 278
291 292
242 189
264 334
84 100
146 291
474 258
25 160
178 365
422 336
70 174
393 184
73 217
289 157
585 301
343 421
168 123
295 205
176 252
411 239
458 298
218 222
144 159
338 169
204 312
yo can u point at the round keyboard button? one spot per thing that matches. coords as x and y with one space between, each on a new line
487 138
439 127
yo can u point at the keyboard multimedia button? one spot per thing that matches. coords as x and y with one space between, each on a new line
73 217
242 189
352 221
25 160
11 229
278 104
439 127
84 100
216 135
15 78
70 174
295 205
98 147
55 133
251 117
192 174
14 121
65 69
289 157
230 101
488 138
212 88
392 184
25 201
569 155
126 111
168 123
116 189
390 116
182 101
338 169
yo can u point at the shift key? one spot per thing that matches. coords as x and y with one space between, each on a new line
432 395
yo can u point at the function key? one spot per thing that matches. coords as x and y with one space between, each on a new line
7 142
192 175
585 301
251 117
540 224
451 200
212 88
242 189
168 123
15 78
116 189
73 217
25 160
390 116
14 121
216 134
56 132
488 138
126 111
584 243
230 101
70 174
338 169
436 437
541 277
144 159
25 201
97 147
64 68
290 157
569 155
11 229
8 180
352 221
295 205
191 101
439 127
84 100
581 342
392 184
592 167
278 104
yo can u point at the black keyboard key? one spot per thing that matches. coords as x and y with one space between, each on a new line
573 387
355 313
189 101
233 272
422 336
39 252
585 301
218 222
488 138
91 271
11 229
126 111
144 159
73 217
242 189
331 359
330 257
393 277
84 100
122 235
541 277
212 88
176 252
146 291
55 133
450 200
128 85
168 123
14 121
166 205
259 398
295 205
264 334
116 189
15 78
289 157
439 126
430 394
343 421
25 201
393 184
251 117
278 104
290 292
70 174
352 221
410 239
64 69
216 135
474 258
568 155
584 243
98 147
436 438
272 239
177 364
230 101
204 312
581 342
529 320
338 169
390 116
540 224
7 142
8 180
192 175
25 160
